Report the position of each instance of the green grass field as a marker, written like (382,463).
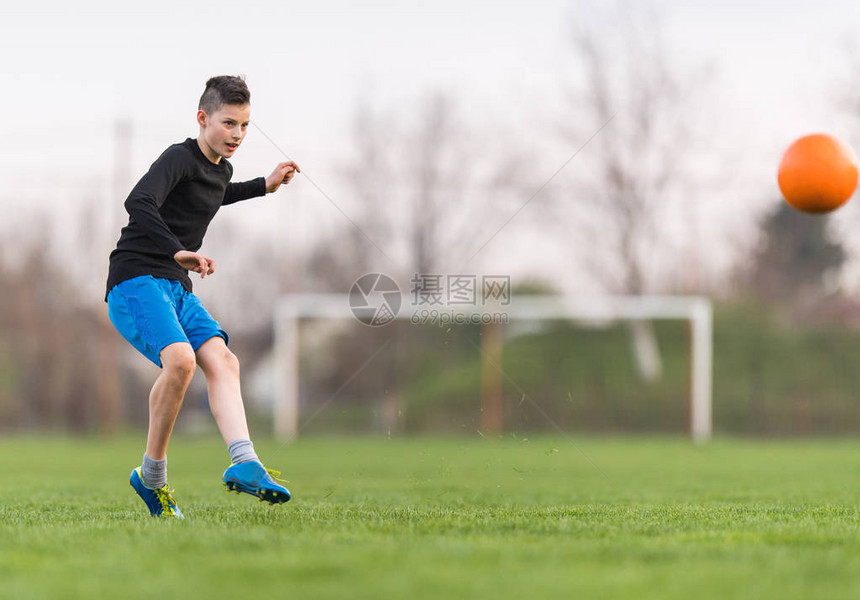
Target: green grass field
(430,518)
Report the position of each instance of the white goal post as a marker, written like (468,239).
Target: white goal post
(695,309)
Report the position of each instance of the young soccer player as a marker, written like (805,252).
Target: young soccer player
(149,291)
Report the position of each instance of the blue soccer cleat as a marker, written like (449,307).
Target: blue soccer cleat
(253,478)
(160,502)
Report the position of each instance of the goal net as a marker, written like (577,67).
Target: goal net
(298,318)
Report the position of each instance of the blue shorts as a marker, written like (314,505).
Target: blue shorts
(152,313)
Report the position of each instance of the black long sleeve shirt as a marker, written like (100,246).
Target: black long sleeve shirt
(170,209)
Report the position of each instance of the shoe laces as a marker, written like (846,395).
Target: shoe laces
(275,475)
(165,496)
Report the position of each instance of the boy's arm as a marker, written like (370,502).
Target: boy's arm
(244,190)
(261,186)
(147,197)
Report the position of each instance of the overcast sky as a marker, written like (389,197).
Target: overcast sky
(70,69)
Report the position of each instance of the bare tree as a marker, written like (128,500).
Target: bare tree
(631,92)
(415,183)
(369,178)
(48,373)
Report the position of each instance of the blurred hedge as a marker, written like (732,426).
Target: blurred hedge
(773,375)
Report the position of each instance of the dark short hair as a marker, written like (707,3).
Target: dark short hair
(224,89)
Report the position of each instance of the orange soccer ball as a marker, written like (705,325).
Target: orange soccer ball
(818,173)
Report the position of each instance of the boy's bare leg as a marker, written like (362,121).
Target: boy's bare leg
(221,368)
(246,474)
(178,365)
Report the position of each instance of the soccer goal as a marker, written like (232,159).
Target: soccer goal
(697,311)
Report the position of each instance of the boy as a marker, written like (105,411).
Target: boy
(149,291)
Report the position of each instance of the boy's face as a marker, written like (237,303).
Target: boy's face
(223,131)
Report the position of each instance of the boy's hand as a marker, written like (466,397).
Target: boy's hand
(194,261)
(282,174)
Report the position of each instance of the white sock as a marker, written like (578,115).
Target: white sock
(241,451)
